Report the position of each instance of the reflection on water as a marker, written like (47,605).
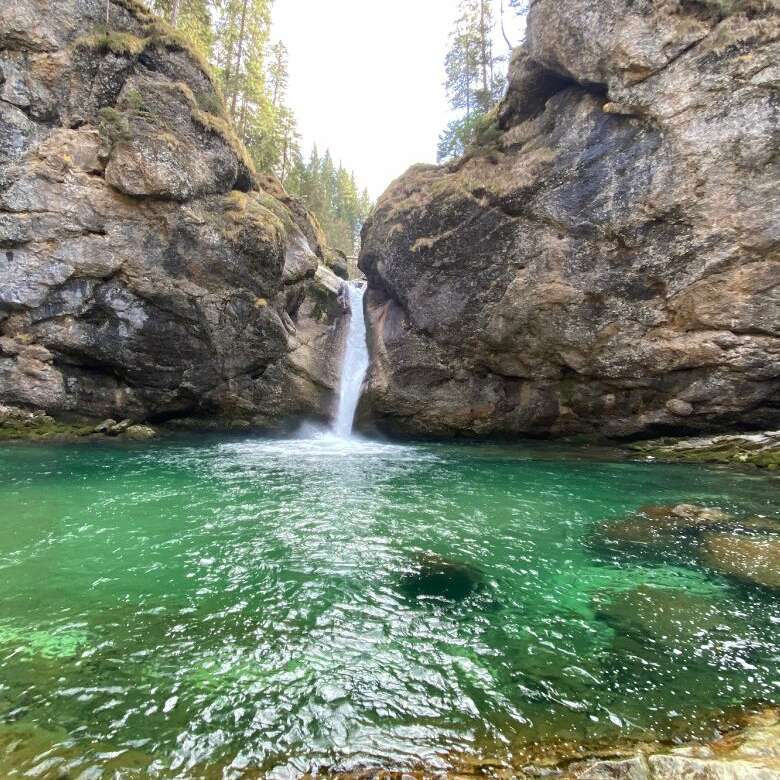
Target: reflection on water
(231,608)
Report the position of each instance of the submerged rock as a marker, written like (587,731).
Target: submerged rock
(145,270)
(661,527)
(751,559)
(435,577)
(668,618)
(604,259)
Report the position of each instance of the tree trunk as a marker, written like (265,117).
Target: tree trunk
(243,118)
(238,58)
(503,29)
(174,12)
(284,160)
(483,49)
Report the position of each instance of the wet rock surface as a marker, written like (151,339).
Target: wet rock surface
(661,526)
(20,424)
(145,271)
(744,549)
(605,260)
(671,619)
(748,751)
(755,449)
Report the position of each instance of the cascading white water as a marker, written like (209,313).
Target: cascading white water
(355,365)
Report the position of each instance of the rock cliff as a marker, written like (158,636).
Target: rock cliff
(605,258)
(145,270)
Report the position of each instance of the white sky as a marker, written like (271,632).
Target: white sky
(366,79)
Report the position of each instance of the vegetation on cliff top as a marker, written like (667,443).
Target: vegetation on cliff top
(230,41)
(474,74)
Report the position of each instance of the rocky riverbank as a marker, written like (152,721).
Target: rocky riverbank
(755,449)
(604,261)
(748,748)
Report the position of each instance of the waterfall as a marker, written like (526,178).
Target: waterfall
(355,365)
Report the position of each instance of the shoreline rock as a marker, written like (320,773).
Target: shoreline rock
(748,748)
(755,449)
(19,425)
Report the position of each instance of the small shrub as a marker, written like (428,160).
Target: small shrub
(114,125)
(211,103)
(134,101)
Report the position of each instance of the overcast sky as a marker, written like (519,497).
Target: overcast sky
(366,79)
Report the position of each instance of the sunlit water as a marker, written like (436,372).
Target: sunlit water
(246,608)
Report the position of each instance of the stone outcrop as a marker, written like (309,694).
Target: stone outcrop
(756,449)
(604,260)
(750,753)
(146,272)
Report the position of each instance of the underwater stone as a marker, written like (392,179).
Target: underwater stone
(659,526)
(437,577)
(666,616)
(751,559)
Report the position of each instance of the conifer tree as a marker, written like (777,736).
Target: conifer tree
(474,79)
(191,18)
(233,35)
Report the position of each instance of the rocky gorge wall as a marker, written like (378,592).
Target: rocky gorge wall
(145,270)
(605,259)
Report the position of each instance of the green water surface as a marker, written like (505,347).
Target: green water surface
(245,608)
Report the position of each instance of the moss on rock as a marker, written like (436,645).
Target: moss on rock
(41,428)
(758,449)
(222,128)
(119,43)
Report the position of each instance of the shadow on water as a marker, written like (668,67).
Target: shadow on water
(434,577)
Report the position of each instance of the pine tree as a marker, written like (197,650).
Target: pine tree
(474,83)
(233,35)
(191,18)
(277,73)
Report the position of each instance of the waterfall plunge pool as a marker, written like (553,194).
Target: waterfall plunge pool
(219,607)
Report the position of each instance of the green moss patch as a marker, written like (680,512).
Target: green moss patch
(757,450)
(42,428)
(119,43)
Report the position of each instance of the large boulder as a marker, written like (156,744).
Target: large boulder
(604,260)
(146,271)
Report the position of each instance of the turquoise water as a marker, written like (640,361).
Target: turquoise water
(245,608)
